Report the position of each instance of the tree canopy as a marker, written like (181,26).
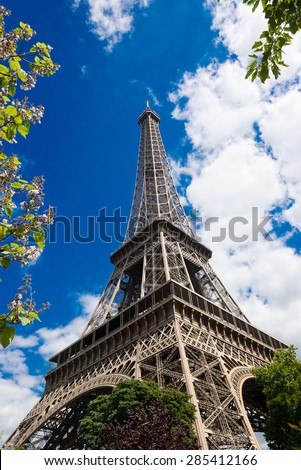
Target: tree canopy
(22,235)
(139,415)
(281,384)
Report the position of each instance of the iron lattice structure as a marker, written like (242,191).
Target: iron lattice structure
(164,315)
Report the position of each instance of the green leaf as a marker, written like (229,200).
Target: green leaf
(11,110)
(252,65)
(15,246)
(4,69)
(257,44)
(23,130)
(18,120)
(5,262)
(39,238)
(16,185)
(9,211)
(3,231)
(3,81)
(249,72)
(14,64)
(11,90)
(25,321)
(7,334)
(263,72)
(265,34)
(294,426)
(22,76)
(10,132)
(276,71)
(34,315)
(256,3)
(17,162)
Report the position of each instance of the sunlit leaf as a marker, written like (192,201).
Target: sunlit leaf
(7,334)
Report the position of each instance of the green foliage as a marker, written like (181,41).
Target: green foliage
(147,427)
(96,417)
(22,235)
(298,429)
(21,310)
(283,22)
(20,69)
(129,396)
(281,384)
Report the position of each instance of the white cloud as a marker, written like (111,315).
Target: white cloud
(17,400)
(238,28)
(18,386)
(280,127)
(24,341)
(246,146)
(230,19)
(88,302)
(13,363)
(56,339)
(84,71)
(221,105)
(112,19)
(226,185)
(154,100)
(262,278)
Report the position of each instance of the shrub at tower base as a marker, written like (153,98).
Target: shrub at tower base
(139,416)
(281,385)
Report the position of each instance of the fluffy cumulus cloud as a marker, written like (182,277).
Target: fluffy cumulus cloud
(246,145)
(21,400)
(229,19)
(22,386)
(220,104)
(56,339)
(112,19)
(17,383)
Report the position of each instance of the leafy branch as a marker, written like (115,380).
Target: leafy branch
(22,224)
(283,21)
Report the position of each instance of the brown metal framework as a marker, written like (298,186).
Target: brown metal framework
(164,315)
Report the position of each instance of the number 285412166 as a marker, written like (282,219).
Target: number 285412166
(221,459)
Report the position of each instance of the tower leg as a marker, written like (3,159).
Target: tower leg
(190,389)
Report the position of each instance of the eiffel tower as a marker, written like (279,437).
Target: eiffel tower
(164,315)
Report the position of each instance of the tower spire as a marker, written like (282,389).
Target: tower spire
(155,194)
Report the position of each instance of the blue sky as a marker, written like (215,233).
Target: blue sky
(233,145)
